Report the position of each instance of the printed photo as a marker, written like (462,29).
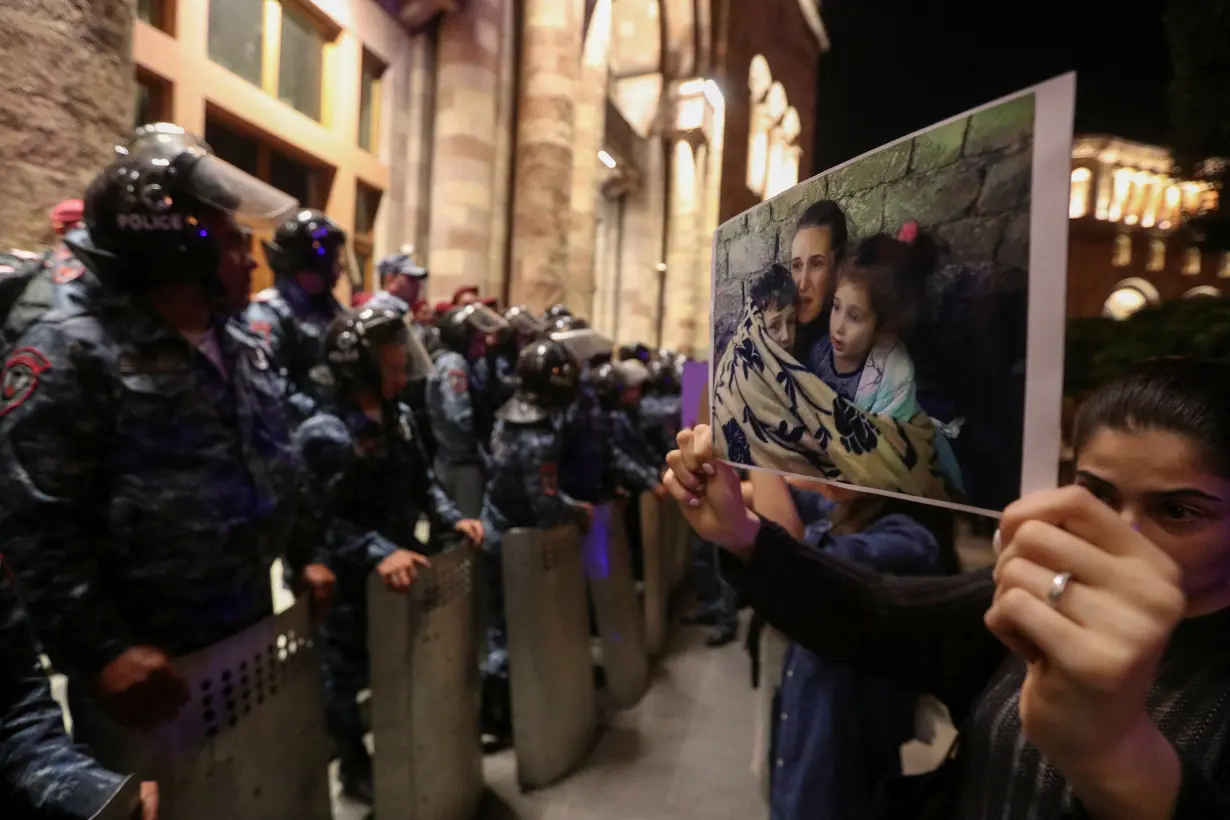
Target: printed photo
(896,323)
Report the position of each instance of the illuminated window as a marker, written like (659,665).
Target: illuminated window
(1123,251)
(369,102)
(1224,270)
(1170,207)
(772,154)
(1157,255)
(1078,201)
(1123,179)
(1203,290)
(301,62)
(1129,296)
(1191,262)
(236,36)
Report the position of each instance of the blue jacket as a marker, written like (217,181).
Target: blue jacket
(636,466)
(524,487)
(42,774)
(451,410)
(839,731)
(294,326)
(146,491)
(587,464)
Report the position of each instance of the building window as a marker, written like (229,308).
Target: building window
(1157,255)
(1224,271)
(1129,296)
(1191,262)
(1078,199)
(152,101)
(157,13)
(1123,251)
(367,205)
(369,103)
(772,155)
(1203,290)
(301,62)
(236,37)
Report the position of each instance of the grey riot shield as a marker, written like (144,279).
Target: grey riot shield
(125,803)
(428,763)
(250,744)
(656,589)
(554,705)
(620,622)
(675,537)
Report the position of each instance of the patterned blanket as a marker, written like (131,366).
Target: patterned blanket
(770,411)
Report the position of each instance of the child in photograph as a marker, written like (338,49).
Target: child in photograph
(817,247)
(775,295)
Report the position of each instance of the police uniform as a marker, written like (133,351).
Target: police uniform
(373,482)
(147,487)
(587,457)
(61,282)
(42,774)
(294,325)
(459,457)
(387,301)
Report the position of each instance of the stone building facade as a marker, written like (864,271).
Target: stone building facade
(576,151)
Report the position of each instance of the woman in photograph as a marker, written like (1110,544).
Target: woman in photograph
(818,245)
(1087,671)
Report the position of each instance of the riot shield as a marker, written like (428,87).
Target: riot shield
(620,622)
(124,804)
(675,535)
(554,705)
(428,761)
(250,744)
(656,587)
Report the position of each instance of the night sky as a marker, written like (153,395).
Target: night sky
(899,65)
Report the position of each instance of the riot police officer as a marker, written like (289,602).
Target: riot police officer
(149,482)
(307,256)
(401,281)
(660,409)
(42,774)
(460,449)
(637,468)
(587,463)
(524,492)
(372,481)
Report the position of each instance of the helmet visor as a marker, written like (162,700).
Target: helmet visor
(484,319)
(583,345)
(254,204)
(418,360)
(525,322)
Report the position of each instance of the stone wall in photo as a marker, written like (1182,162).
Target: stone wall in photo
(967,183)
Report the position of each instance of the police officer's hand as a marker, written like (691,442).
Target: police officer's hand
(587,515)
(319,580)
(401,569)
(140,688)
(472,529)
(148,808)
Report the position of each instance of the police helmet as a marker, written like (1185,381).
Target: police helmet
(308,241)
(555,311)
(165,206)
(635,350)
(549,377)
(663,378)
(524,322)
(352,342)
(459,326)
(607,384)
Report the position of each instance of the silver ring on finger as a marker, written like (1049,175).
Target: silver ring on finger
(1058,587)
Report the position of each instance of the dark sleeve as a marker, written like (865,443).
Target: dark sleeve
(52,442)
(325,446)
(42,774)
(442,512)
(895,546)
(1199,797)
(278,332)
(540,479)
(925,634)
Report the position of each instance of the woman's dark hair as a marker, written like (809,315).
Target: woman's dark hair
(858,513)
(1188,397)
(773,288)
(827,214)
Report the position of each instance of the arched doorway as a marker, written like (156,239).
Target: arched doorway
(1129,296)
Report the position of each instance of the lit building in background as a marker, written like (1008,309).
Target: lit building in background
(1126,246)
(577,151)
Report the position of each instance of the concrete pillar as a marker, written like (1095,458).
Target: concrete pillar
(66,99)
(542,206)
(464,151)
(682,256)
(589,136)
(640,279)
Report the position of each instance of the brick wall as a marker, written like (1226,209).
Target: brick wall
(967,183)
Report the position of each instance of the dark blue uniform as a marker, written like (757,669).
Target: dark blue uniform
(147,488)
(42,775)
(635,463)
(294,327)
(372,483)
(524,491)
(587,454)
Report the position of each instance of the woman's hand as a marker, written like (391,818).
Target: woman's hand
(1093,649)
(709,492)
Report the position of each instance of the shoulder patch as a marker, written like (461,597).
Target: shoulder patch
(22,370)
(66,273)
(264,329)
(458,381)
(549,476)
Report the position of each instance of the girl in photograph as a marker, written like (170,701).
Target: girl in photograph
(1087,671)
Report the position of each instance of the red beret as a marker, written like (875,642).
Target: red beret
(360,299)
(443,307)
(461,291)
(68,212)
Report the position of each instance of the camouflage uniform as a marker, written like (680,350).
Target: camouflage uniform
(460,459)
(146,493)
(372,483)
(659,418)
(587,457)
(63,282)
(294,326)
(493,385)
(42,775)
(634,460)
(524,492)
(386,301)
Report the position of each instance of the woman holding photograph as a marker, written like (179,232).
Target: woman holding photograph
(1088,671)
